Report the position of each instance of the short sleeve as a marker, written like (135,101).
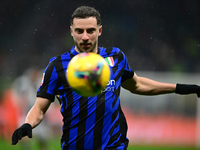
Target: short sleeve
(127,71)
(48,86)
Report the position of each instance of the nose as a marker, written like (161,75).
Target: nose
(85,36)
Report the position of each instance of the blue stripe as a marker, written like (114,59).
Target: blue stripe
(53,79)
(72,137)
(90,122)
(73,132)
(107,124)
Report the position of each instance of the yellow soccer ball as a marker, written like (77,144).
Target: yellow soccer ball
(88,74)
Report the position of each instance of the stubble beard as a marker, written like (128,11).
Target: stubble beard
(91,49)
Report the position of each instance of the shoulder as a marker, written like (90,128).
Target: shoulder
(60,58)
(111,51)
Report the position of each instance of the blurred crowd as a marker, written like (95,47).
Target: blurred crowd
(155,35)
(15,104)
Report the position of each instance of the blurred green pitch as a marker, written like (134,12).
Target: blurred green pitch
(54,144)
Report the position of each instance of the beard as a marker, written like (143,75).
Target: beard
(87,50)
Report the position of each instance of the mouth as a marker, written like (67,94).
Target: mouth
(85,45)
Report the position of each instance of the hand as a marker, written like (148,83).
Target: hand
(24,130)
(187,89)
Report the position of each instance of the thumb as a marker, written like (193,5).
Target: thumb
(15,138)
(198,94)
(29,133)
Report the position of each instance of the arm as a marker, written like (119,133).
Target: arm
(33,118)
(36,113)
(145,86)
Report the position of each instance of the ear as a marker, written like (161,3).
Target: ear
(71,30)
(100,30)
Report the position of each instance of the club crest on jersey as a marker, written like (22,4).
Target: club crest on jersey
(110,61)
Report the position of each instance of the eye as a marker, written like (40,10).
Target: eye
(79,31)
(91,30)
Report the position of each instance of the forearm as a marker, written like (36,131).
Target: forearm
(37,112)
(34,117)
(145,86)
(150,87)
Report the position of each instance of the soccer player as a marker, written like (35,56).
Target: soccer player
(94,122)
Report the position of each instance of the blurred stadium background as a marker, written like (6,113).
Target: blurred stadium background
(160,38)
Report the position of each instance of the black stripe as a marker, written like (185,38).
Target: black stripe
(112,139)
(46,81)
(65,137)
(97,139)
(67,113)
(116,135)
(123,130)
(83,105)
(115,114)
(109,50)
(117,94)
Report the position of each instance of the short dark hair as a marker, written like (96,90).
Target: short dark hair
(86,12)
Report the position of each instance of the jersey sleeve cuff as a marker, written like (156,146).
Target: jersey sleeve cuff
(46,95)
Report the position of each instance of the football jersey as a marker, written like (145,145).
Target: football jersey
(94,123)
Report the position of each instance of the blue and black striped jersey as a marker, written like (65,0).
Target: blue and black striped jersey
(94,123)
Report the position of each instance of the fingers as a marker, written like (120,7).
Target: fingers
(198,94)
(29,133)
(20,134)
(15,138)
(24,130)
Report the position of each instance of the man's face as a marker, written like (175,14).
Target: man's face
(85,33)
